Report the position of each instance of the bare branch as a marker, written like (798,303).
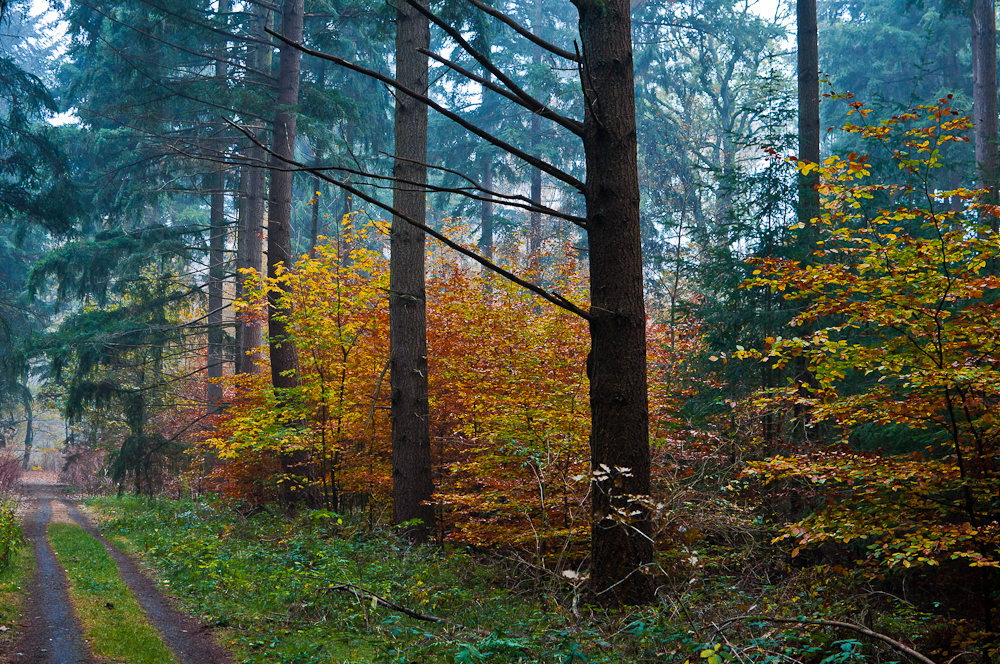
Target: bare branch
(554,298)
(526,100)
(531,160)
(363,594)
(571,124)
(524,32)
(906,650)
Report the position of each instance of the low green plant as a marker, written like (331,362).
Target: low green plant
(13,582)
(11,536)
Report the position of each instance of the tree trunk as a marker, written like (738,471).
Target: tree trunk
(29,431)
(535,224)
(314,226)
(808,75)
(216,251)
(412,483)
(284,358)
(216,275)
(251,231)
(487,212)
(621,527)
(317,162)
(984,97)
(239,327)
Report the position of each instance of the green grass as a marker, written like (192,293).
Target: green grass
(115,625)
(13,581)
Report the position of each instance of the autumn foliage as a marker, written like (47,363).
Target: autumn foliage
(508,389)
(900,297)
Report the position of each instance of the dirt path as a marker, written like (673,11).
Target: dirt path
(184,635)
(50,632)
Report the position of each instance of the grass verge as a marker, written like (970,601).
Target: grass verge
(115,625)
(14,580)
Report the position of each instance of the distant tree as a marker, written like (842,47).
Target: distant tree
(984,96)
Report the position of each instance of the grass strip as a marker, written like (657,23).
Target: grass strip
(115,625)
(14,580)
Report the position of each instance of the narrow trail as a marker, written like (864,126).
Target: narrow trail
(50,631)
(184,635)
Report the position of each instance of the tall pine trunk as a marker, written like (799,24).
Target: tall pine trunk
(217,251)
(535,224)
(412,483)
(621,527)
(808,76)
(984,96)
(284,357)
(216,275)
(251,230)
(486,211)
(807,36)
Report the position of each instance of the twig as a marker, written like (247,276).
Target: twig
(361,593)
(901,647)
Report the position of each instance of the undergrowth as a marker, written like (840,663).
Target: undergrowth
(306,590)
(13,581)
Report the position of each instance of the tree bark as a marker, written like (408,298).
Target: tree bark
(487,212)
(314,226)
(216,275)
(984,97)
(251,231)
(29,432)
(216,253)
(412,483)
(535,222)
(239,327)
(621,527)
(284,357)
(807,36)
(808,76)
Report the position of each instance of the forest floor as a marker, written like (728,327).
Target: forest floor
(52,630)
(322,588)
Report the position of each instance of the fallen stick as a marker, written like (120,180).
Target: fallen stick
(361,593)
(901,647)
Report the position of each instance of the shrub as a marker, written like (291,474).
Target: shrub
(10,525)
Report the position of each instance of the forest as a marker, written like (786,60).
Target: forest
(480,331)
